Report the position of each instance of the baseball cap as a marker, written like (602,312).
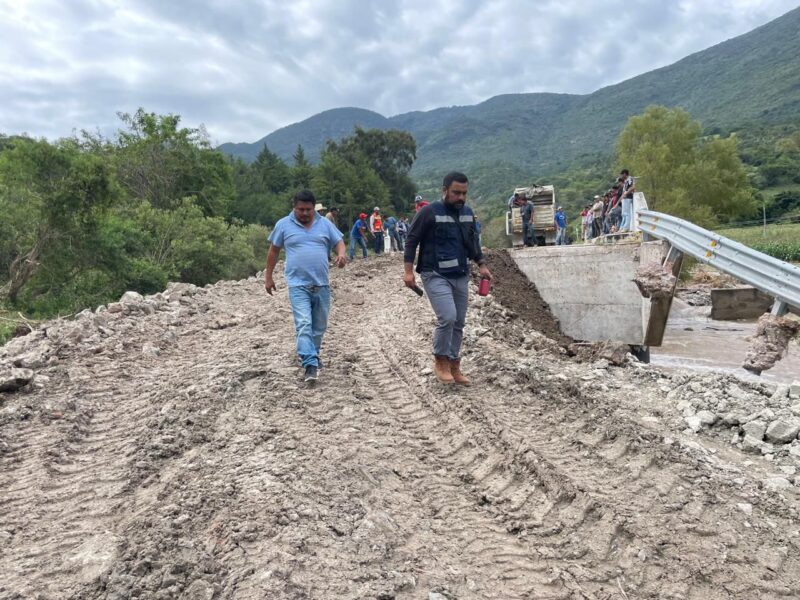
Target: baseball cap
(362,216)
(376,208)
(318,206)
(417,198)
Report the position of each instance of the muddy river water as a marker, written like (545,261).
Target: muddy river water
(694,341)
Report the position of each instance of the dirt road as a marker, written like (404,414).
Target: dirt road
(169,450)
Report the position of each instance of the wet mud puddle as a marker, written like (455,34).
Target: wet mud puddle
(695,341)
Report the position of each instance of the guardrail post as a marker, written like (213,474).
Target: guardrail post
(660,307)
(779,308)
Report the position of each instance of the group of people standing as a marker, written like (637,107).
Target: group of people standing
(612,212)
(442,239)
(377,227)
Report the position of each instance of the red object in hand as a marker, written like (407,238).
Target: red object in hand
(483,288)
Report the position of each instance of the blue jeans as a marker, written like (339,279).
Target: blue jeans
(561,236)
(378,242)
(360,241)
(310,308)
(627,214)
(528,236)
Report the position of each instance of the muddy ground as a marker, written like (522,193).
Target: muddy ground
(166,448)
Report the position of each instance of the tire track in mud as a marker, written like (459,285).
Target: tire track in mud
(212,472)
(542,529)
(502,566)
(71,480)
(469,479)
(627,510)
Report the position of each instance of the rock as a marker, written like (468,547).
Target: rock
(199,590)
(697,387)
(782,431)
(131,298)
(152,350)
(767,414)
(175,291)
(770,342)
(781,393)
(745,507)
(776,483)
(755,429)
(115,307)
(436,596)
(772,558)
(795,409)
(694,423)
(732,418)
(15,379)
(654,281)
(613,352)
(707,418)
(752,444)
(794,390)
(35,358)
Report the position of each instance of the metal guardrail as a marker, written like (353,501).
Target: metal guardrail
(777,278)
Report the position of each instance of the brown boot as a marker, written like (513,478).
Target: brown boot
(455,371)
(441,368)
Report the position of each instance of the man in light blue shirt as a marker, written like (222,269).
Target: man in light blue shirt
(307,239)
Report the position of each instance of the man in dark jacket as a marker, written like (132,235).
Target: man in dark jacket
(447,239)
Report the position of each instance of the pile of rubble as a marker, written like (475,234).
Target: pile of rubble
(25,360)
(758,418)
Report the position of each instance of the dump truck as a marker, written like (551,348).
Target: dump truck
(544,212)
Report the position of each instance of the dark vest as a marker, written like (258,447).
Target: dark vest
(455,239)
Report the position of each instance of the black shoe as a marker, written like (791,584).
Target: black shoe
(311,374)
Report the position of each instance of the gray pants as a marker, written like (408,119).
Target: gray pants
(449,299)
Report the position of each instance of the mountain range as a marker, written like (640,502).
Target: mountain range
(751,79)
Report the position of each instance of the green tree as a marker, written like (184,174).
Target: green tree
(51,198)
(162,163)
(262,189)
(354,187)
(390,154)
(302,171)
(702,180)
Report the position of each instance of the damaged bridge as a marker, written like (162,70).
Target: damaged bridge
(623,291)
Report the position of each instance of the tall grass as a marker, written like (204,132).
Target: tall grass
(781,240)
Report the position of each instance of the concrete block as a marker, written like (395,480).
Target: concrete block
(590,288)
(738,303)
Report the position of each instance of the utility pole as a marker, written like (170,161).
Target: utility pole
(764,212)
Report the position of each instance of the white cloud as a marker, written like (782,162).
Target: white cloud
(245,68)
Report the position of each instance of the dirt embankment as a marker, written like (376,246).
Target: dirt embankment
(516,292)
(166,448)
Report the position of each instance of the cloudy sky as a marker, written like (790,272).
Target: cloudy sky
(246,67)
